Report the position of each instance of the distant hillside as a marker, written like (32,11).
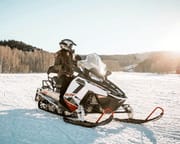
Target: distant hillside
(160,62)
(154,62)
(19,57)
(121,62)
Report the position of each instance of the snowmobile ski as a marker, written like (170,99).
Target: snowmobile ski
(141,121)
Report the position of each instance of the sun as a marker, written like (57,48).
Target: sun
(171,39)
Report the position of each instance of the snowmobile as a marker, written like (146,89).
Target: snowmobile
(91,98)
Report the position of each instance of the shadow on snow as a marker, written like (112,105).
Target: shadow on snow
(29,126)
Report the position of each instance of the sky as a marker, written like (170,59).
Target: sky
(96,26)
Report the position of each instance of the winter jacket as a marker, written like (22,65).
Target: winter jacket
(64,62)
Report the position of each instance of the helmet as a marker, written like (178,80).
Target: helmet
(67,44)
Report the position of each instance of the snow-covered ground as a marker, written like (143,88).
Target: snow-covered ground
(21,122)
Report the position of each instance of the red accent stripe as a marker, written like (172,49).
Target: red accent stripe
(71,106)
(105,111)
(44,92)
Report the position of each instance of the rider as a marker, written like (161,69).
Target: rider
(64,61)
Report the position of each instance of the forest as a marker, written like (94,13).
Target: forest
(18,57)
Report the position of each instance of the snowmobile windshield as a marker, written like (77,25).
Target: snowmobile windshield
(94,64)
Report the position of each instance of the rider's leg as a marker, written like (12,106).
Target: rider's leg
(65,83)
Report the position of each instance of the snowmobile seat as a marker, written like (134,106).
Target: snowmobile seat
(51,94)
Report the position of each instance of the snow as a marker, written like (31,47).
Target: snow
(21,122)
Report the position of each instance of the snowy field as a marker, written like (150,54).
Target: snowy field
(21,122)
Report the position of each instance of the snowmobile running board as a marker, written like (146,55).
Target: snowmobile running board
(92,124)
(87,123)
(141,121)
